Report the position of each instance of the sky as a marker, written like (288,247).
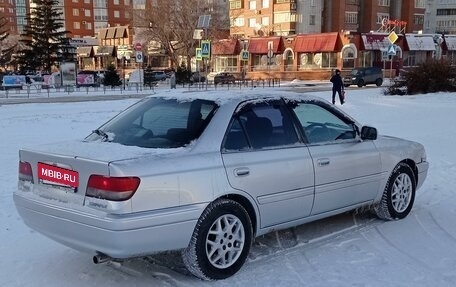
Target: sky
(351,249)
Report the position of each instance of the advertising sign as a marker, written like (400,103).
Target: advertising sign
(13,81)
(85,79)
(68,73)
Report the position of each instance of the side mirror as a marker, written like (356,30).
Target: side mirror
(368,133)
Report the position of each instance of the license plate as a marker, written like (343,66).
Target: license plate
(57,175)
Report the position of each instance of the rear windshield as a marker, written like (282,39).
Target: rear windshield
(158,123)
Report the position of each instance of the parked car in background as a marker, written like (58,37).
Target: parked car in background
(364,76)
(208,173)
(197,77)
(224,78)
(159,75)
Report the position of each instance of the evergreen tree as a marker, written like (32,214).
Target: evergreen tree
(5,49)
(111,78)
(44,37)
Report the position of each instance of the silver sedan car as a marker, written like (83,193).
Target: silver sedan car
(207,175)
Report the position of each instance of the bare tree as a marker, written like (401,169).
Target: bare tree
(171,23)
(6,42)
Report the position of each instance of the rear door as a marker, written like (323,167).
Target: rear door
(347,170)
(264,157)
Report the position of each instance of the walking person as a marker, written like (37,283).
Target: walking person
(338,86)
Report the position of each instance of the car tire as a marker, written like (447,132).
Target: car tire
(379,82)
(399,194)
(215,252)
(360,83)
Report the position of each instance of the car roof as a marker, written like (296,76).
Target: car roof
(223,97)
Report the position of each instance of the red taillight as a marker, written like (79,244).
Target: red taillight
(25,171)
(112,188)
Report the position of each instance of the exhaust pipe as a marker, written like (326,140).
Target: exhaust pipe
(101,258)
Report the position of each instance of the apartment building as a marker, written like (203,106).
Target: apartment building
(440,17)
(15,12)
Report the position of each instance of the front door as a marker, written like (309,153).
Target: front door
(347,169)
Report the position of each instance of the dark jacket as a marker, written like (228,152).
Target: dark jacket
(337,81)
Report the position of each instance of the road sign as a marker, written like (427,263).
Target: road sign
(391,50)
(198,54)
(138,47)
(139,57)
(205,49)
(392,37)
(244,55)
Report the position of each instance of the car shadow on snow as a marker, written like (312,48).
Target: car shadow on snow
(162,265)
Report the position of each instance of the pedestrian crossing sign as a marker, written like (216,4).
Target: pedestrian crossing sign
(206,49)
(198,54)
(244,55)
(391,50)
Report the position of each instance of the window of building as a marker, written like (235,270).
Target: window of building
(116,14)
(235,4)
(75,12)
(265,21)
(87,1)
(381,16)
(446,12)
(127,2)
(89,26)
(418,19)
(237,22)
(252,22)
(419,3)
(252,5)
(116,2)
(76,25)
(87,13)
(265,4)
(384,3)
(312,3)
(284,17)
(351,17)
(75,1)
(312,20)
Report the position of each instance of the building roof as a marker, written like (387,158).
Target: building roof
(260,45)
(121,32)
(450,42)
(226,47)
(84,51)
(325,42)
(375,41)
(420,42)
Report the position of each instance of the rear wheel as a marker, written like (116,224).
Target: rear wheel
(360,83)
(399,194)
(220,242)
(379,82)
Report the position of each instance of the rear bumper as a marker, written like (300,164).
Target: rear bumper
(118,236)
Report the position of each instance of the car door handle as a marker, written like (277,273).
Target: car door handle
(323,161)
(242,171)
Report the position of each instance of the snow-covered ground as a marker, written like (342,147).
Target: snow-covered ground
(352,249)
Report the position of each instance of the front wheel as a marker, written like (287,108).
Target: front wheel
(220,242)
(399,194)
(378,82)
(360,83)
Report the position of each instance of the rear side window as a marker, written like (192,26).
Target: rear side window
(261,126)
